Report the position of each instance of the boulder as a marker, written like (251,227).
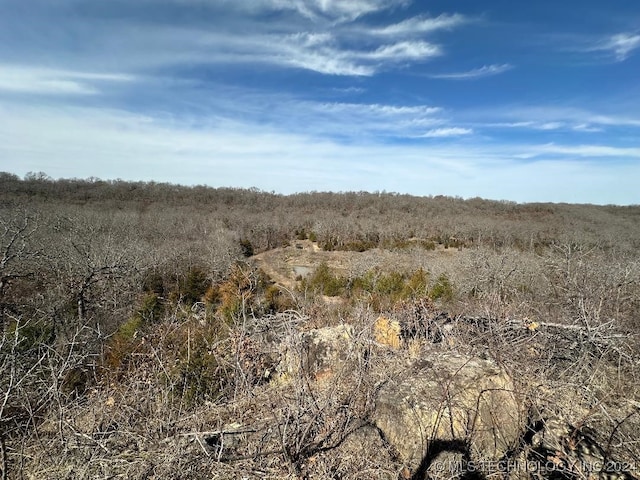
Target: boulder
(325,350)
(319,353)
(449,403)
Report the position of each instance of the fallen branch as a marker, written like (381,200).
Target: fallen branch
(3,458)
(218,432)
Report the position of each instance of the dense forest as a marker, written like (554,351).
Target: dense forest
(133,314)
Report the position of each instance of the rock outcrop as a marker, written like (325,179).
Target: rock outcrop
(450,403)
(325,350)
(319,353)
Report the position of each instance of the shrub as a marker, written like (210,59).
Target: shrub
(417,285)
(357,246)
(442,289)
(276,301)
(151,308)
(404,244)
(212,297)
(364,283)
(124,342)
(238,293)
(325,282)
(127,338)
(428,244)
(391,285)
(29,335)
(199,357)
(153,283)
(329,245)
(246,247)
(194,286)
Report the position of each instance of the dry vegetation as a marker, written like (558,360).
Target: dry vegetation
(156,331)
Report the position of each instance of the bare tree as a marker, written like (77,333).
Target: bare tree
(17,252)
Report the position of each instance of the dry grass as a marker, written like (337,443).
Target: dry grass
(197,392)
(295,427)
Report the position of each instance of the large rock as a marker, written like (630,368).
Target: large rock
(319,353)
(326,350)
(450,403)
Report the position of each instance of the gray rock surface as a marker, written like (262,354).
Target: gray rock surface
(320,353)
(450,400)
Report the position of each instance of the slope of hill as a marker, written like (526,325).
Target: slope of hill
(153,330)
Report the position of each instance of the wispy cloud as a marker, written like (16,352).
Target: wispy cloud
(349,90)
(328,51)
(344,121)
(378,109)
(329,59)
(247,89)
(550,118)
(620,45)
(447,132)
(421,25)
(403,51)
(320,52)
(54,82)
(591,151)
(549,126)
(330,37)
(122,145)
(335,10)
(484,71)
(585,127)
(357,122)
(316,52)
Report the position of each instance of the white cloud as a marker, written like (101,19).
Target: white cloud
(321,53)
(357,121)
(510,124)
(377,109)
(585,127)
(328,64)
(448,132)
(620,45)
(591,151)
(122,145)
(324,36)
(44,81)
(549,126)
(332,10)
(402,51)
(335,11)
(339,10)
(349,90)
(421,25)
(484,71)
(317,53)
(551,117)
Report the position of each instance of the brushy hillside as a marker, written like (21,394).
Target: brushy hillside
(143,324)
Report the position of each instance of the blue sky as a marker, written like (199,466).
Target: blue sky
(502,99)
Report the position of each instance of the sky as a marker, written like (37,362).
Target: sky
(535,101)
